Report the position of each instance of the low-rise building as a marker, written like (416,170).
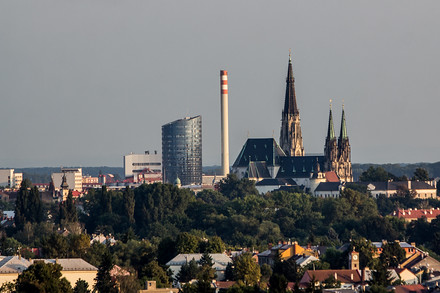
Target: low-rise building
(410,215)
(220,261)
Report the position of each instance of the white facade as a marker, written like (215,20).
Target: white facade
(73,177)
(8,179)
(136,163)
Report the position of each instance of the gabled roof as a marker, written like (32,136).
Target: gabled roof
(299,167)
(331,176)
(13,265)
(277,182)
(72,264)
(328,186)
(259,149)
(344,276)
(417,213)
(410,289)
(218,259)
(258,170)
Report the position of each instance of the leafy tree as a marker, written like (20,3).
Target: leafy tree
(366,251)
(246,269)
(377,174)
(421,174)
(392,254)
(104,282)
(128,284)
(277,284)
(232,187)
(153,271)
(188,271)
(206,274)
(215,245)
(331,282)
(78,245)
(28,206)
(41,277)
(129,204)
(266,273)
(68,212)
(187,243)
(55,245)
(81,286)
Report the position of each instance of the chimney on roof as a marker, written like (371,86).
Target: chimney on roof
(351,277)
(336,276)
(409,184)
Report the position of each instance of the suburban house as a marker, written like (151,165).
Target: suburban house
(419,189)
(73,269)
(410,215)
(285,251)
(348,278)
(220,260)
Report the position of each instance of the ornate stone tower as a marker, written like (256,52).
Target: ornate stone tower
(344,170)
(331,145)
(290,138)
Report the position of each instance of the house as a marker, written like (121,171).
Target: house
(285,251)
(329,189)
(410,249)
(348,278)
(410,289)
(220,261)
(404,275)
(410,215)
(73,269)
(419,189)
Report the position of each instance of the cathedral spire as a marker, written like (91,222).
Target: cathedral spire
(290,106)
(331,129)
(290,137)
(343,134)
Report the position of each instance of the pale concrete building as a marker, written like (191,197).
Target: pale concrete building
(140,164)
(10,179)
(73,178)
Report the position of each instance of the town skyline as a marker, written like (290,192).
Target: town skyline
(101,82)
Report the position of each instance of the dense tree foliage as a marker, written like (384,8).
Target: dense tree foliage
(42,277)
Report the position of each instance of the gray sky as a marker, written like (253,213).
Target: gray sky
(84,82)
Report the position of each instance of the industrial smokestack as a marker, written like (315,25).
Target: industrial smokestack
(225,122)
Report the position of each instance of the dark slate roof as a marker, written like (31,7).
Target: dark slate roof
(259,149)
(299,167)
(258,170)
(276,182)
(328,186)
(395,185)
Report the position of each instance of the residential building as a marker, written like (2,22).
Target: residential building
(285,251)
(73,178)
(348,278)
(417,189)
(182,151)
(147,163)
(410,215)
(73,269)
(220,261)
(10,179)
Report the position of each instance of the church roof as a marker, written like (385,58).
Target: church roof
(276,182)
(258,170)
(328,186)
(259,149)
(299,167)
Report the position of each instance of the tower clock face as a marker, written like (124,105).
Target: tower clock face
(355,257)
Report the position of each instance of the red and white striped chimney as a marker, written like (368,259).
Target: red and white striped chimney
(224,121)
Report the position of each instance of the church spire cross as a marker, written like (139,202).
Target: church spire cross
(343,134)
(290,106)
(331,128)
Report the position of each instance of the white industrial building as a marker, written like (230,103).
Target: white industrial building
(10,179)
(73,178)
(136,164)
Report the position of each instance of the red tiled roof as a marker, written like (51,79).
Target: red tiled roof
(410,288)
(411,214)
(225,284)
(331,176)
(344,276)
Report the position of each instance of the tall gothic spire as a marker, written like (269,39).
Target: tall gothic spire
(343,134)
(290,137)
(290,106)
(331,128)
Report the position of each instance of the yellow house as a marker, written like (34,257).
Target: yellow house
(73,269)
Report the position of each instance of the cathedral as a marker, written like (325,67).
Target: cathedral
(265,159)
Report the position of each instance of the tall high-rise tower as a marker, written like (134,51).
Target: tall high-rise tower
(290,138)
(182,151)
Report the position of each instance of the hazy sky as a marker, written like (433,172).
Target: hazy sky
(84,82)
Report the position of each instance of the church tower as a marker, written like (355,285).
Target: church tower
(331,145)
(344,170)
(290,138)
